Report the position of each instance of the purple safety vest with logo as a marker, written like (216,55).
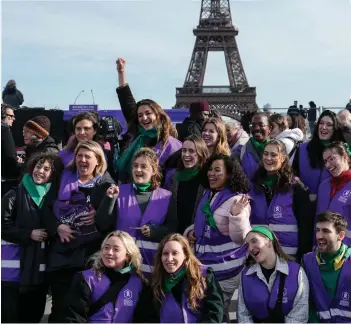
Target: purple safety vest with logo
(172,145)
(257,297)
(173,312)
(123,309)
(340,203)
(338,309)
(311,177)
(130,216)
(214,249)
(279,216)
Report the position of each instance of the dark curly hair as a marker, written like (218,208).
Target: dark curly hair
(54,161)
(285,173)
(315,148)
(238,181)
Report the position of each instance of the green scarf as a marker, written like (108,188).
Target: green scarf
(270,180)
(325,143)
(330,261)
(125,161)
(172,280)
(36,191)
(142,186)
(258,146)
(206,209)
(187,174)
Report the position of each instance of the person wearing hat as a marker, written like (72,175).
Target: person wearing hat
(199,112)
(36,137)
(273,288)
(11,95)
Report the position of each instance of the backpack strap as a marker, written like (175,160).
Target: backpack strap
(242,152)
(296,145)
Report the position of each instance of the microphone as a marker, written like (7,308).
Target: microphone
(78,96)
(92,94)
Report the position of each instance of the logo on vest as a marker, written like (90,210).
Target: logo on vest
(344,196)
(128,298)
(345,297)
(207,231)
(277,211)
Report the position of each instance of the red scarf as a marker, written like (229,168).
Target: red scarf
(338,182)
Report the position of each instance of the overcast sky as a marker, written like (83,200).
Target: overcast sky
(291,49)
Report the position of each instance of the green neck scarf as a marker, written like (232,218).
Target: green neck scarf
(329,260)
(125,161)
(142,186)
(173,279)
(187,174)
(325,143)
(36,191)
(259,146)
(270,180)
(206,209)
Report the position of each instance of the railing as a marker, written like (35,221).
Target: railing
(212,89)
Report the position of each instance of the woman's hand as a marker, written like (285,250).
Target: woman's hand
(239,205)
(65,233)
(39,235)
(113,191)
(145,230)
(90,217)
(120,65)
(191,237)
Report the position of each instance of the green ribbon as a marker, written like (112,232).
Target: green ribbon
(263,230)
(125,161)
(330,258)
(172,280)
(325,143)
(270,180)
(206,209)
(259,146)
(36,191)
(143,186)
(187,174)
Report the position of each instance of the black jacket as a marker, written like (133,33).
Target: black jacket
(12,97)
(61,255)
(79,299)
(188,127)
(19,217)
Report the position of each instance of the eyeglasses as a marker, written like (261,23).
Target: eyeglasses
(10,116)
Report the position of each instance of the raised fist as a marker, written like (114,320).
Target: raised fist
(120,64)
(113,191)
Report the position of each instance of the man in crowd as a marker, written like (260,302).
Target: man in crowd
(11,95)
(10,168)
(199,112)
(328,270)
(344,121)
(312,116)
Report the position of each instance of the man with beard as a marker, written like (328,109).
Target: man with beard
(199,112)
(328,270)
(250,154)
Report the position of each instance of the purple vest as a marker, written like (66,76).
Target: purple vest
(172,145)
(279,216)
(340,204)
(257,297)
(172,312)
(309,176)
(214,249)
(127,299)
(329,310)
(130,216)
(66,156)
(250,164)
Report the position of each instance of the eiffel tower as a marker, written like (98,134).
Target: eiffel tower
(216,32)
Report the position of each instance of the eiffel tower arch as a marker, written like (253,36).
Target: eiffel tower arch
(216,32)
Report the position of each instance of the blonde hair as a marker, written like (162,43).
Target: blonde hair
(222,146)
(193,272)
(133,253)
(99,154)
(152,158)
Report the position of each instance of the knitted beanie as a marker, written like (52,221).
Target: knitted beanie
(39,126)
(199,106)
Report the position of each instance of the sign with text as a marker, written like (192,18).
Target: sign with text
(83,108)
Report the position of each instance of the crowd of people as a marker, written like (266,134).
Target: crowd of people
(167,231)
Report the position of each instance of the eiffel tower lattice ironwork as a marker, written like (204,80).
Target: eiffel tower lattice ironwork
(216,32)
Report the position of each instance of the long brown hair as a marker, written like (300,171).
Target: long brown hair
(222,145)
(200,148)
(193,272)
(285,173)
(165,126)
(276,247)
(152,158)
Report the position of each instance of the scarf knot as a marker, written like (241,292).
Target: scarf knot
(206,209)
(36,191)
(259,146)
(173,279)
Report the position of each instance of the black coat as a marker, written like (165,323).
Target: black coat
(12,97)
